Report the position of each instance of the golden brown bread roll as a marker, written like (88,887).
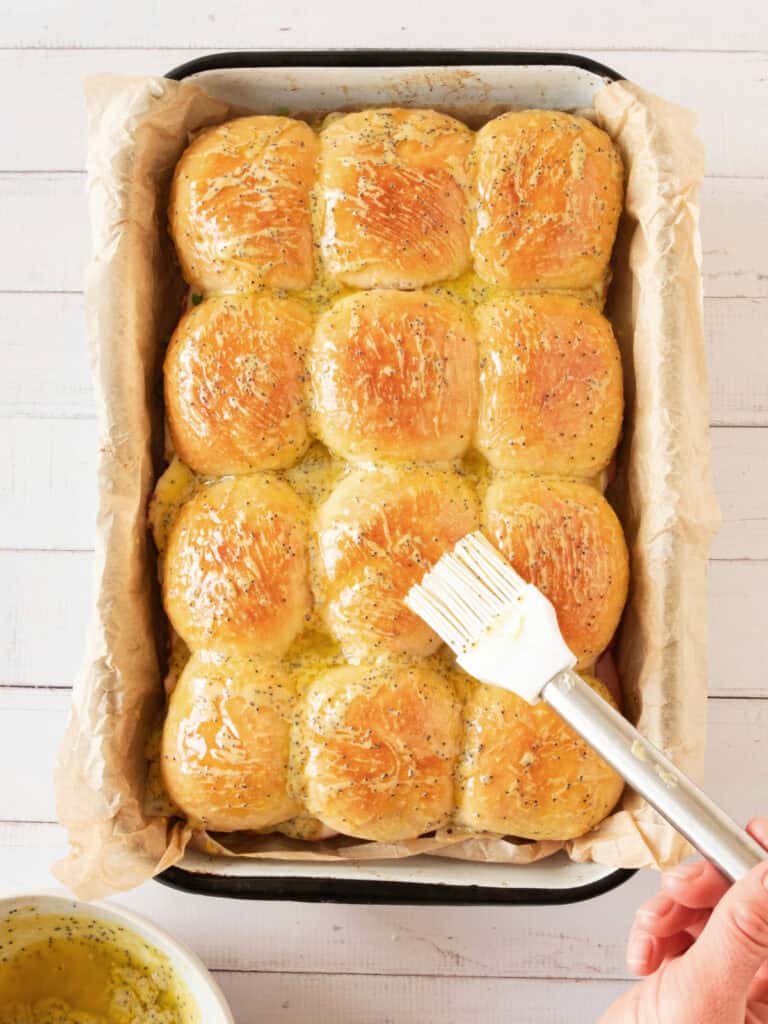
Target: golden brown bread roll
(376,747)
(378,533)
(393,188)
(551,392)
(239,210)
(234,392)
(549,193)
(394,376)
(226,743)
(524,772)
(236,569)
(564,537)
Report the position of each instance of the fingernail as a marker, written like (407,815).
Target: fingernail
(639,951)
(662,906)
(685,872)
(758,828)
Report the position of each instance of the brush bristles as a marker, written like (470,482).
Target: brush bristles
(465,591)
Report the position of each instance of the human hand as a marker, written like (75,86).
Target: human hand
(702,946)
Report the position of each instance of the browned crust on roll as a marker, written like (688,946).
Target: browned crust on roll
(549,192)
(239,210)
(378,533)
(394,377)
(564,537)
(226,743)
(236,573)
(393,188)
(234,384)
(551,389)
(524,772)
(376,748)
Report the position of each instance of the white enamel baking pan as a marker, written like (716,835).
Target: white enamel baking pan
(472,85)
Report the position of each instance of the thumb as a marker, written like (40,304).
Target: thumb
(734,944)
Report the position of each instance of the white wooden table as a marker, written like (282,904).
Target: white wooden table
(290,962)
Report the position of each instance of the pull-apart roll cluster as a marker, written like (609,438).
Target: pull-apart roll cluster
(394,337)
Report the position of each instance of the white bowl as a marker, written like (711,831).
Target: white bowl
(206,994)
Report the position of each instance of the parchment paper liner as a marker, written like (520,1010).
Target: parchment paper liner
(137,129)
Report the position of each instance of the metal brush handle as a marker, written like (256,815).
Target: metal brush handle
(650,773)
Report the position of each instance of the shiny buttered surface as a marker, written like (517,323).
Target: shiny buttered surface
(563,536)
(394,189)
(234,384)
(331,443)
(394,377)
(225,743)
(524,772)
(240,212)
(551,394)
(377,534)
(549,192)
(376,749)
(237,567)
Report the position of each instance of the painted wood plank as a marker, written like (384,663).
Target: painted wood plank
(51,464)
(444,942)
(31,725)
(46,372)
(654,25)
(734,225)
(715,85)
(308,998)
(738,628)
(740,471)
(48,495)
(734,217)
(45,602)
(47,217)
(44,355)
(44,606)
(737,341)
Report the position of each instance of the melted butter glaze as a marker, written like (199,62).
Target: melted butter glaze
(524,772)
(563,536)
(551,392)
(225,742)
(236,567)
(75,969)
(376,748)
(239,211)
(393,377)
(234,384)
(549,193)
(394,187)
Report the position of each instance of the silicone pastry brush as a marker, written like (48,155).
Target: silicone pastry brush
(504,632)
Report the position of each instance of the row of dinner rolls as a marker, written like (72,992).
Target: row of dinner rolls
(376,751)
(237,567)
(395,198)
(533,382)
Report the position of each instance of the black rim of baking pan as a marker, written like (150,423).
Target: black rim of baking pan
(383,59)
(363,891)
(374,891)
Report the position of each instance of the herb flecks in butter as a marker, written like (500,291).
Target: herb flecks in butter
(74,969)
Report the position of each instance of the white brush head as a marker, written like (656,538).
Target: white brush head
(503,630)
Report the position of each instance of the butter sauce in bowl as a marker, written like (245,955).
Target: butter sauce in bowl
(66,962)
